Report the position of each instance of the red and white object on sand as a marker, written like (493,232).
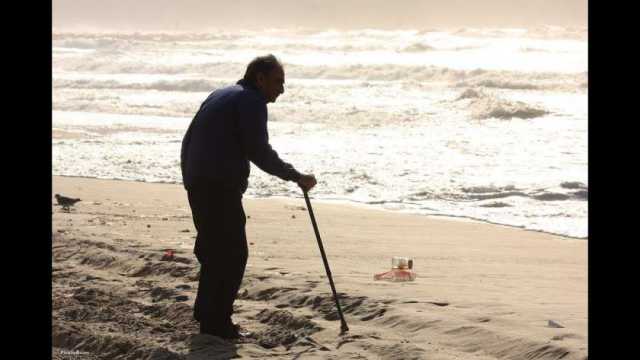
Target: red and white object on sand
(401,270)
(168,255)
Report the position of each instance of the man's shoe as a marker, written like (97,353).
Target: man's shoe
(244,333)
(209,330)
(236,333)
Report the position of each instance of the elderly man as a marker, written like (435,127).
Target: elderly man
(228,131)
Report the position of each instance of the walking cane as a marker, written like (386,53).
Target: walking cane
(343,327)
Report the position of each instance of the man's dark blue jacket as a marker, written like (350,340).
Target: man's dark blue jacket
(228,131)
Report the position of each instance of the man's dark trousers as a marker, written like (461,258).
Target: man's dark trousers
(221,249)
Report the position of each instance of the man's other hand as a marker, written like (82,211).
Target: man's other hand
(307,182)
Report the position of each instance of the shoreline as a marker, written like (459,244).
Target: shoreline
(482,291)
(356,204)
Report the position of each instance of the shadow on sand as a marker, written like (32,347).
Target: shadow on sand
(202,346)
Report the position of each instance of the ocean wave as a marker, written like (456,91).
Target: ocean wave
(421,46)
(487,189)
(226,35)
(531,49)
(422,195)
(525,81)
(485,105)
(185,85)
(539,32)
(501,84)
(555,196)
(470,94)
(461,78)
(497,195)
(172,109)
(91,39)
(94,44)
(487,193)
(496,204)
(377,72)
(573,185)
(580,195)
(113,65)
(327,42)
(488,107)
(417,47)
(551,196)
(482,193)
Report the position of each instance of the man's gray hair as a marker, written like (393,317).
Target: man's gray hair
(261,64)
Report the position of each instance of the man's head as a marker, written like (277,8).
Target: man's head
(267,74)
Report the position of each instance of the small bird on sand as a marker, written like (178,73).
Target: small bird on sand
(66,201)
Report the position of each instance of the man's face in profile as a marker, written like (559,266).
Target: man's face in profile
(271,85)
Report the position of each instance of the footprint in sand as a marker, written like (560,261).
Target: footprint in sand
(438,303)
(374,314)
(207,345)
(159,294)
(566,336)
(285,329)
(312,283)
(351,338)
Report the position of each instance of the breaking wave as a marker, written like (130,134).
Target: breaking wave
(470,94)
(413,74)
(185,85)
(525,81)
(573,185)
(481,193)
(485,106)
(418,47)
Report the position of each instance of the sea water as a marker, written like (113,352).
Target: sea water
(488,124)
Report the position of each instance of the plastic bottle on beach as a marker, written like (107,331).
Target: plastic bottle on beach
(401,270)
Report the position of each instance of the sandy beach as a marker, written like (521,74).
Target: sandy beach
(482,291)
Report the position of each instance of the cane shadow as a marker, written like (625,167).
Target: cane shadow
(202,346)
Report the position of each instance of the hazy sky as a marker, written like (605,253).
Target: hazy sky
(388,14)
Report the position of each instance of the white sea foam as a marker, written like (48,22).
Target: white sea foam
(410,74)
(418,47)
(195,85)
(470,94)
(484,108)
(484,105)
